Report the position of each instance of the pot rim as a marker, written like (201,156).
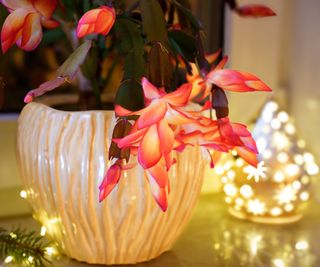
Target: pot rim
(49,101)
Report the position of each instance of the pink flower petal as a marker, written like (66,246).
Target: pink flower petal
(149,152)
(213,57)
(240,129)
(31,32)
(248,156)
(179,97)
(123,112)
(236,81)
(166,137)
(15,4)
(110,180)
(222,63)
(150,91)
(158,193)
(12,28)
(131,139)
(99,21)
(158,174)
(152,114)
(177,117)
(49,23)
(45,7)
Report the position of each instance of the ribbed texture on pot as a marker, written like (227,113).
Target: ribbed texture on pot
(63,158)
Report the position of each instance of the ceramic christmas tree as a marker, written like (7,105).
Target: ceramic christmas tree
(276,190)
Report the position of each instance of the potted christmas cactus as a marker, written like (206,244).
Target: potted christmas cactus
(92,174)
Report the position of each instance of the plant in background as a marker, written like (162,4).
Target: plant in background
(159,46)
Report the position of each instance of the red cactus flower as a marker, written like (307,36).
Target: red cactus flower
(99,21)
(24,24)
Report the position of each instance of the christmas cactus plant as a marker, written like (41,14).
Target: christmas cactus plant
(159,45)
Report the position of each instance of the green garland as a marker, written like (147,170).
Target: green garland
(23,247)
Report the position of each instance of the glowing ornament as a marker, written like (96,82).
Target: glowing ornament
(276,190)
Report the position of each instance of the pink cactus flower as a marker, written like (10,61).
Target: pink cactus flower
(24,24)
(99,21)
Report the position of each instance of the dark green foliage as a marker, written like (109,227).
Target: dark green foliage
(22,244)
(184,44)
(154,23)
(130,95)
(159,67)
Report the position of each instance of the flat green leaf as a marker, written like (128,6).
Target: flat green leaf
(159,67)
(186,12)
(154,23)
(130,95)
(132,44)
(186,43)
(70,67)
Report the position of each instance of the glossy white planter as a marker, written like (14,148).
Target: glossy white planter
(63,157)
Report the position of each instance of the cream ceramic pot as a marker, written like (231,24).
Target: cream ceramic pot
(63,158)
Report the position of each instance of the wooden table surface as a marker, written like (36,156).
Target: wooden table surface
(215,239)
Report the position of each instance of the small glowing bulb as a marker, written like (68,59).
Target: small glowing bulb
(289,207)
(219,170)
(30,259)
(239,201)
(312,169)
(302,245)
(283,116)
(279,263)
(286,195)
(290,129)
(227,165)
(246,191)
(23,194)
(230,190)
(228,200)
(296,185)
(308,157)
(301,143)
(278,177)
(256,207)
(298,159)
(234,153)
(305,180)
(224,179)
(292,170)
(304,196)
(43,231)
(8,259)
(267,154)
(239,162)
(231,174)
(282,157)
(13,235)
(276,211)
(272,106)
(280,141)
(51,251)
(275,124)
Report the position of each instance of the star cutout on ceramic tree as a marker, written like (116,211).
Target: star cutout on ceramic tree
(256,173)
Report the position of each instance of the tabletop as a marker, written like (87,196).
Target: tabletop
(215,239)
